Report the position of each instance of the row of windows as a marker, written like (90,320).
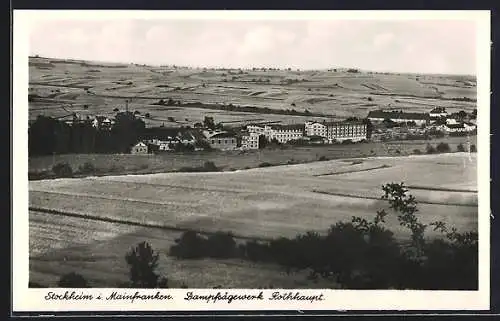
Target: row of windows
(222,141)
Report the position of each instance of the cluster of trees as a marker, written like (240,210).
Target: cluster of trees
(360,254)
(206,167)
(48,135)
(440,148)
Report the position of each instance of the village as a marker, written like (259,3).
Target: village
(379,125)
(134,137)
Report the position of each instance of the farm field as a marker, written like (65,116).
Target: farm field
(256,203)
(66,86)
(231,160)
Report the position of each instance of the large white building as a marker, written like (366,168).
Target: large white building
(337,131)
(378,116)
(282,133)
(315,128)
(249,140)
(346,130)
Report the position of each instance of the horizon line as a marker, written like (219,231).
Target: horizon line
(250,68)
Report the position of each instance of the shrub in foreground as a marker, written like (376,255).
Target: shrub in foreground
(62,170)
(429,149)
(143,261)
(87,168)
(265,164)
(207,167)
(443,148)
(192,245)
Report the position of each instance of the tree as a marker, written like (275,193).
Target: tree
(87,168)
(461,115)
(126,131)
(62,170)
(443,148)
(460,148)
(429,149)
(473,149)
(208,122)
(143,261)
(263,142)
(369,127)
(72,280)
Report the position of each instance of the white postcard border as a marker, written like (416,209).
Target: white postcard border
(25,299)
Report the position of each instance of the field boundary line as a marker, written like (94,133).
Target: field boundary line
(124,199)
(140,224)
(380,199)
(354,171)
(442,189)
(236,191)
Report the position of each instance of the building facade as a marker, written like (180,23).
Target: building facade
(249,140)
(139,148)
(378,116)
(346,130)
(313,128)
(222,141)
(286,133)
(282,133)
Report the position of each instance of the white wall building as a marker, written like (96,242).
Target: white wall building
(282,133)
(249,140)
(346,130)
(438,112)
(314,128)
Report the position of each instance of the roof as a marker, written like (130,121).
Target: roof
(160,132)
(397,115)
(140,144)
(284,127)
(223,135)
(455,126)
(438,110)
(344,122)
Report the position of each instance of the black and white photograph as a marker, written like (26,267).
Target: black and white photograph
(278,152)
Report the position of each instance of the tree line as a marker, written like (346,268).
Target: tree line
(49,135)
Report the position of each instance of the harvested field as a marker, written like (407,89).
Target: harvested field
(261,203)
(265,89)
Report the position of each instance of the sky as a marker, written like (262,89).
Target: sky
(417,46)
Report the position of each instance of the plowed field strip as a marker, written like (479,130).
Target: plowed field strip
(133,223)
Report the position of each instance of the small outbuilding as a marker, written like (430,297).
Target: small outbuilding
(139,148)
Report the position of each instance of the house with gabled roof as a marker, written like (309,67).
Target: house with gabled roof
(139,149)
